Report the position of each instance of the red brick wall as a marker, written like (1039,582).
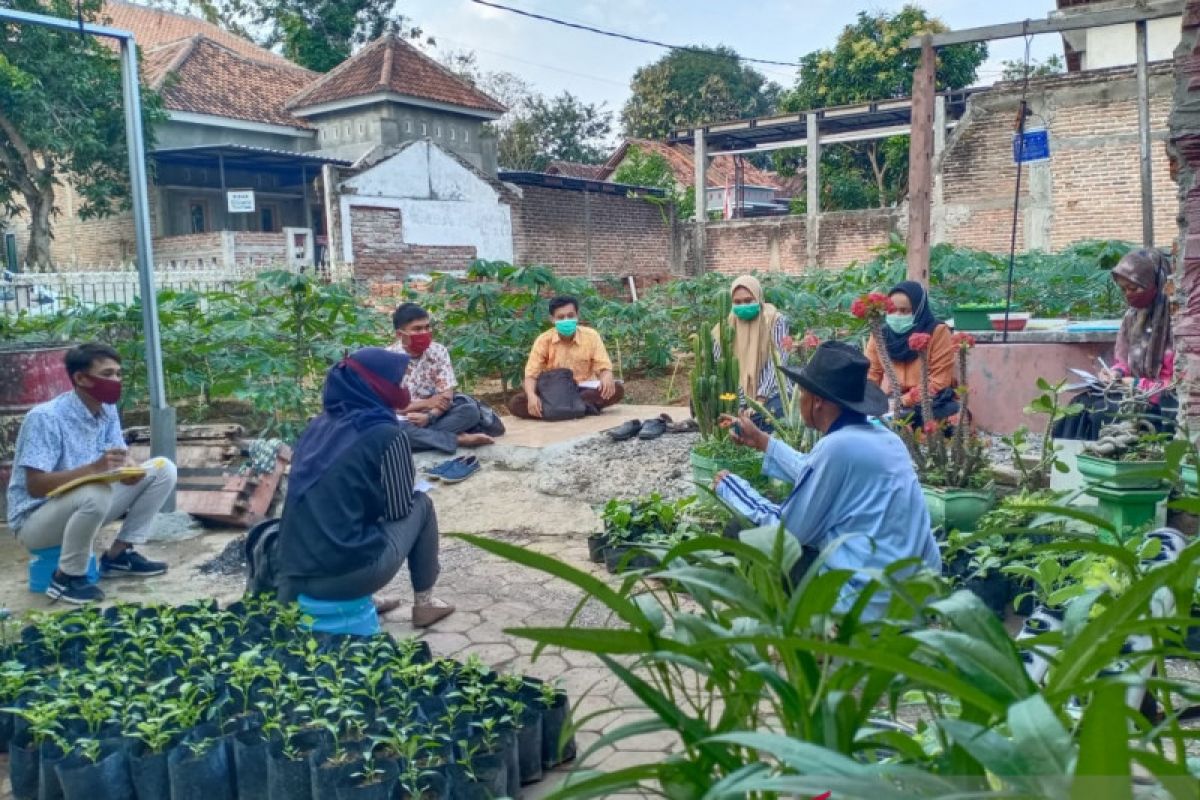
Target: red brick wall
(1090,188)
(771,244)
(592,235)
(381,255)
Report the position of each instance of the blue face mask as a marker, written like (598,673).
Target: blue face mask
(899,323)
(566,327)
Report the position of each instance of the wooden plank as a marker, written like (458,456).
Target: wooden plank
(190,432)
(204,504)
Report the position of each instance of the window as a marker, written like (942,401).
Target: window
(408,126)
(452,134)
(346,130)
(437,131)
(466,137)
(335,133)
(360,129)
(268,218)
(198,216)
(424,129)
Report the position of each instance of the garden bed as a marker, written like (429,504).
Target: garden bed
(198,702)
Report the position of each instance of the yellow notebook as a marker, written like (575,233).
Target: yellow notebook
(124,473)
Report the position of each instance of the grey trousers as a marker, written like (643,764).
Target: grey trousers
(414,538)
(72,520)
(442,434)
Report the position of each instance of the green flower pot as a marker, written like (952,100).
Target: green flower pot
(704,469)
(974,318)
(1191,480)
(957,509)
(1121,474)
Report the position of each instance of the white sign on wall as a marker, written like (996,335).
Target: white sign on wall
(240,201)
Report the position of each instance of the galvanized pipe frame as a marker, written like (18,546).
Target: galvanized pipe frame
(162,416)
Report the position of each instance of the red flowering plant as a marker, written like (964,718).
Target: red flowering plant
(873,308)
(945,454)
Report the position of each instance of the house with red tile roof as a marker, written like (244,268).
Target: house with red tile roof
(759,188)
(247,162)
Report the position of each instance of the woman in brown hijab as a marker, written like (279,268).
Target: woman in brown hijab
(759,330)
(1144,355)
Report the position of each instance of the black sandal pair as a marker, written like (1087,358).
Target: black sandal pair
(650,429)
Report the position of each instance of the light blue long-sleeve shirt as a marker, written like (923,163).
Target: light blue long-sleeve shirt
(859,479)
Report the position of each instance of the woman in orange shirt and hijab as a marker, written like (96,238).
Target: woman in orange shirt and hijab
(911,314)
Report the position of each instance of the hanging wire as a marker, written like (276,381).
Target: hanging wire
(1021,114)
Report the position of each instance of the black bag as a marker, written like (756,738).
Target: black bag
(560,396)
(489,420)
(262,573)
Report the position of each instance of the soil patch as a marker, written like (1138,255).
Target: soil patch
(230,561)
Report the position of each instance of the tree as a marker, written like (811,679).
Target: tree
(687,87)
(870,62)
(62,119)
(1017,70)
(651,170)
(537,130)
(317,34)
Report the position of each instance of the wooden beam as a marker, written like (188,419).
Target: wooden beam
(1055,24)
(920,166)
(812,181)
(700,156)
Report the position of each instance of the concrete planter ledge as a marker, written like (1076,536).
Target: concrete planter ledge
(1046,337)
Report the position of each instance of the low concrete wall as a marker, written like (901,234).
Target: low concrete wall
(1003,377)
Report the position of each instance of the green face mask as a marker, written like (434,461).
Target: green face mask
(746,311)
(566,327)
(900,323)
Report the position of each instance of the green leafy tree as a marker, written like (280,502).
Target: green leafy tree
(1017,70)
(62,121)
(643,168)
(687,87)
(871,62)
(562,127)
(317,34)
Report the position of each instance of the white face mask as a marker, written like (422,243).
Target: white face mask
(899,323)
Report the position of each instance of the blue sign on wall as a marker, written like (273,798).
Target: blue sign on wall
(1037,146)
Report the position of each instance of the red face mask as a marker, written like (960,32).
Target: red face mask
(1142,298)
(418,343)
(395,396)
(103,390)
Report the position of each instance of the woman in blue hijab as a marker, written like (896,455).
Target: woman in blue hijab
(352,517)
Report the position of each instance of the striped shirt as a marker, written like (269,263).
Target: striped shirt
(398,476)
(768,386)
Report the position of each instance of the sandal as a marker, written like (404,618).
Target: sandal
(688,425)
(652,429)
(627,430)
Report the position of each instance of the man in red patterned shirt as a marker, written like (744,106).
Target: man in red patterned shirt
(441,418)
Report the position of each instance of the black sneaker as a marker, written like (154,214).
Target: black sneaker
(74,589)
(131,562)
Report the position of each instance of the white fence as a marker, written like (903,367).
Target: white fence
(48,291)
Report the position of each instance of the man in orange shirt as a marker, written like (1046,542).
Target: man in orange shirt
(568,346)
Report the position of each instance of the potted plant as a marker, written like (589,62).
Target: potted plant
(715,392)
(954,469)
(1033,467)
(1129,453)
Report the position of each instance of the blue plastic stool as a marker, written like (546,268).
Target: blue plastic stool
(356,617)
(45,561)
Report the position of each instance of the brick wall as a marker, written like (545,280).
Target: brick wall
(1185,148)
(382,256)
(589,234)
(770,244)
(1090,188)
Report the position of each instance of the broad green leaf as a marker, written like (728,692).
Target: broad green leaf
(1102,770)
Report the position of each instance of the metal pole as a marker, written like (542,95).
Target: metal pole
(1143,87)
(162,416)
(700,156)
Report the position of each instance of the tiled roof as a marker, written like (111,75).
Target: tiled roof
(152,27)
(203,77)
(390,64)
(679,157)
(574,169)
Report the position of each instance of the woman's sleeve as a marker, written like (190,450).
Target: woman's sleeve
(1121,354)
(398,477)
(941,360)
(875,372)
(768,385)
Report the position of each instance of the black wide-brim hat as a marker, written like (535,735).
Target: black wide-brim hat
(837,372)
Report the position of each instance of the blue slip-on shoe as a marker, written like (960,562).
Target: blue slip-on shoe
(436,472)
(461,470)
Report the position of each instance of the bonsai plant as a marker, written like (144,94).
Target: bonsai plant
(1129,453)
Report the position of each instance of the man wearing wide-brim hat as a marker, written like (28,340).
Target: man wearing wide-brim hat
(858,481)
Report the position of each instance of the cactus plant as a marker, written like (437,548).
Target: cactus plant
(714,378)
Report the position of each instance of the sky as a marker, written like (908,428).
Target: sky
(598,68)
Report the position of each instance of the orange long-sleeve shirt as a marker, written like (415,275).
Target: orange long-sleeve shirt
(941,369)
